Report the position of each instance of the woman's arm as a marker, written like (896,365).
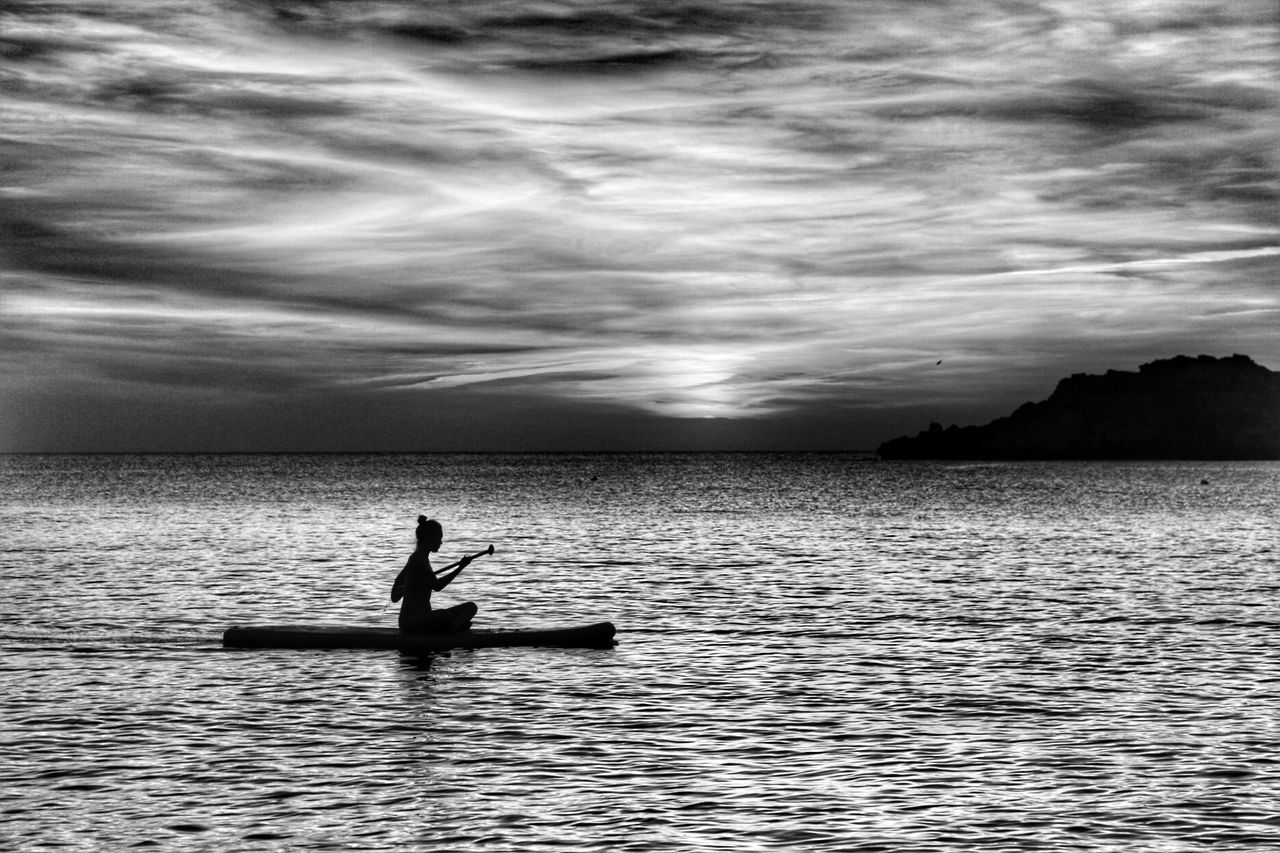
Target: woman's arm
(440,581)
(402,581)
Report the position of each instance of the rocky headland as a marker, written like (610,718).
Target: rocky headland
(1177,408)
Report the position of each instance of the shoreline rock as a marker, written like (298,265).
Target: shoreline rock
(1177,408)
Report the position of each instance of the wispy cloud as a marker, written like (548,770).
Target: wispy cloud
(744,212)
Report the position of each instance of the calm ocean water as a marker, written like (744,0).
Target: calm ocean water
(817,652)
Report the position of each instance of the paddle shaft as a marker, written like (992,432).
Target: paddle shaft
(486,551)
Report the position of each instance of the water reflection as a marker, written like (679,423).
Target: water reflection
(927,657)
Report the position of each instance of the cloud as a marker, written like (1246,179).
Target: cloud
(769,213)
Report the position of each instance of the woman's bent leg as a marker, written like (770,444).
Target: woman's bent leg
(462,615)
(447,620)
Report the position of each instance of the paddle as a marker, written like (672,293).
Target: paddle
(397,589)
(439,572)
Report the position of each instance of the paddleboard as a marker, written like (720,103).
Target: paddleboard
(598,635)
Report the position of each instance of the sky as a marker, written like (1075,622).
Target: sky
(307,226)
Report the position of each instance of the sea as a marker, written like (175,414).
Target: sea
(815,652)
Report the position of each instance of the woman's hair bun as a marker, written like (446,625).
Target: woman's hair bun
(422,519)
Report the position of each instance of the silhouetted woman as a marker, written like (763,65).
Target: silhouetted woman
(417,581)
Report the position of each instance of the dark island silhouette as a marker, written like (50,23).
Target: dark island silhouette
(1177,408)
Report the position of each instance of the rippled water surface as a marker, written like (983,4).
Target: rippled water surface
(815,653)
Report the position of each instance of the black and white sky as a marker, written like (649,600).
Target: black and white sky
(236,225)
